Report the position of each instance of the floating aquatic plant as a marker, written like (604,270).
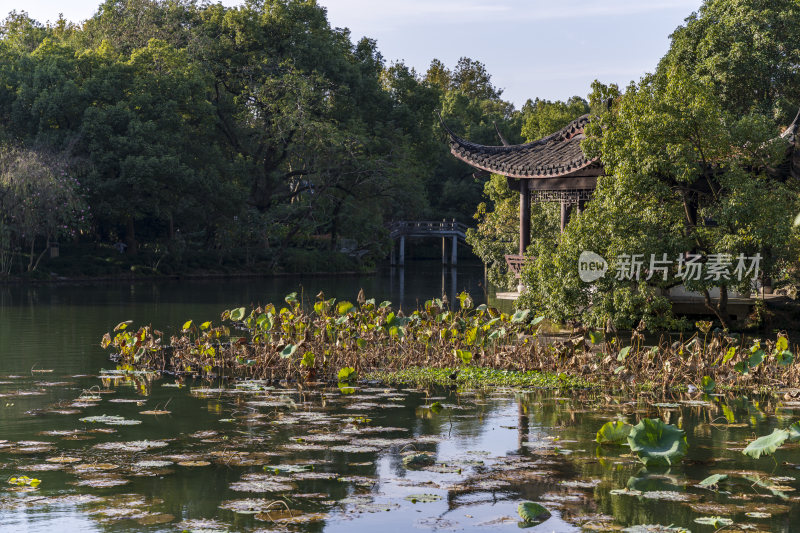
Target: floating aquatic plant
(110,420)
(614,432)
(418,460)
(712,480)
(656,443)
(768,444)
(24,481)
(423,498)
(531,512)
(715,521)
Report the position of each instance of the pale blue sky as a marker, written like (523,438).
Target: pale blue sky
(533,48)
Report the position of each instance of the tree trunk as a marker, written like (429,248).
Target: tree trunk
(721,309)
(39,258)
(30,261)
(690,208)
(335,225)
(130,237)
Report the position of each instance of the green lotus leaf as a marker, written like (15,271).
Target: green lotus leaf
(623,354)
(418,460)
(794,432)
(715,521)
(288,351)
(596,337)
(713,480)
(657,443)
(532,512)
(614,432)
(344,307)
(520,316)
(767,444)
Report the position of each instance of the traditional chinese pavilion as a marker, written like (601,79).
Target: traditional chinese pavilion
(552,169)
(555,169)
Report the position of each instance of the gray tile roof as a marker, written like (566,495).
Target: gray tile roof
(556,155)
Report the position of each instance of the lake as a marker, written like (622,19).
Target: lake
(132,451)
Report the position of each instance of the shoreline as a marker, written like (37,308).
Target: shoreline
(181,277)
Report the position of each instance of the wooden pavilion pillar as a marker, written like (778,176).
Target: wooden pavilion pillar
(566,210)
(524,216)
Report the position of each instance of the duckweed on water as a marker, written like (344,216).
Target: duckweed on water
(472,377)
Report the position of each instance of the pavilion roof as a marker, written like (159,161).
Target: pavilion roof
(557,155)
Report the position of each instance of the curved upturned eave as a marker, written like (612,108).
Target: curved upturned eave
(472,153)
(516,174)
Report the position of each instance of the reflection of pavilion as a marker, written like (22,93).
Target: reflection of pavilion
(552,169)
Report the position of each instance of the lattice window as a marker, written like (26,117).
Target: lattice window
(572,197)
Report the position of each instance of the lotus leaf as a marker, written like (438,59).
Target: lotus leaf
(657,443)
(655,528)
(623,354)
(423,498)
(713,480)
(347,374)
(794,432)
(24,480)
(532,512)
(767,444)
(716,521)
(111,420)
(520,316)
(418,460)
(287,469)
(614,432)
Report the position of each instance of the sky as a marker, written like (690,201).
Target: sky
(550,49)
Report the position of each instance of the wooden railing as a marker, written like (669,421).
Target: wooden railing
(515,264)
(430,228)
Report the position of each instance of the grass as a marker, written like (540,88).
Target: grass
(476,377)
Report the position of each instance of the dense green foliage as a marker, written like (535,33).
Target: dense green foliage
(747,51)
(250,136)
(682,175)
(693,164)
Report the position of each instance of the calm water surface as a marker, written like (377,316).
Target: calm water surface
(200,457)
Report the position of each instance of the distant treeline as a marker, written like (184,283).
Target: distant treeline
(197,136)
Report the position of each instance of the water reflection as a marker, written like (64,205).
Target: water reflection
(337,459)
(449,287)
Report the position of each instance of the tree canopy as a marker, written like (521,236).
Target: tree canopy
(253,133)
(694,171)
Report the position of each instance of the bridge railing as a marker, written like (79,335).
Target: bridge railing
(433,227)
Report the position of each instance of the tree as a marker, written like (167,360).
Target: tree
(748,51)
(682,176)
(543,117)
(39,203)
